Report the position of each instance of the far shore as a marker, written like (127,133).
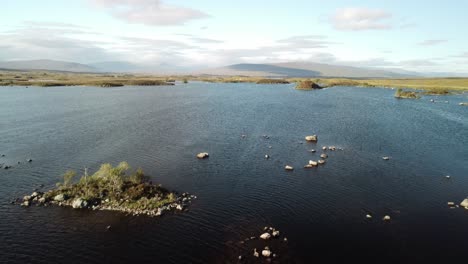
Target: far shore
(438,86)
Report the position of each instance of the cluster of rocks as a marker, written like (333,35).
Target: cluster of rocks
(312,163)
(41,199)
(268,234)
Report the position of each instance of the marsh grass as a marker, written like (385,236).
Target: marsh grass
(272,81)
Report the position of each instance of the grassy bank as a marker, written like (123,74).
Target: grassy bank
(439,86)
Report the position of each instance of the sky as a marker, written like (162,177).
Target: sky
(423,36)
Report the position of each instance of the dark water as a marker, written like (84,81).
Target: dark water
(321,211)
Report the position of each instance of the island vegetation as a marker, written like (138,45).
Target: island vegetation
(111,188)
(402,94)
(272,81)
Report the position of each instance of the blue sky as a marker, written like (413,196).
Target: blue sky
(426,36)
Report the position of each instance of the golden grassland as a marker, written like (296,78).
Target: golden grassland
(43,78)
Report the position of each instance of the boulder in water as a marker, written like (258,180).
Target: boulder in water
(464,203)
(203,155)
(265,236)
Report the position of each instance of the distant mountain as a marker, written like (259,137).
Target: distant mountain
(99,67)
(47,65)
(128,67)
(286,69)
(117,66)
(305,69)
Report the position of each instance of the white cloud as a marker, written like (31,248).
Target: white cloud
(360,19)
(432,42)
(149,12)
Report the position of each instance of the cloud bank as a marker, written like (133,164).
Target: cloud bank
(149,12)
(355,19)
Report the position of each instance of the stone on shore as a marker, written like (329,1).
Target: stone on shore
(79,203)
(59,197)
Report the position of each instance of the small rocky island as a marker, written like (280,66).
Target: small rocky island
(307,85)
(110,188)
(401,94)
